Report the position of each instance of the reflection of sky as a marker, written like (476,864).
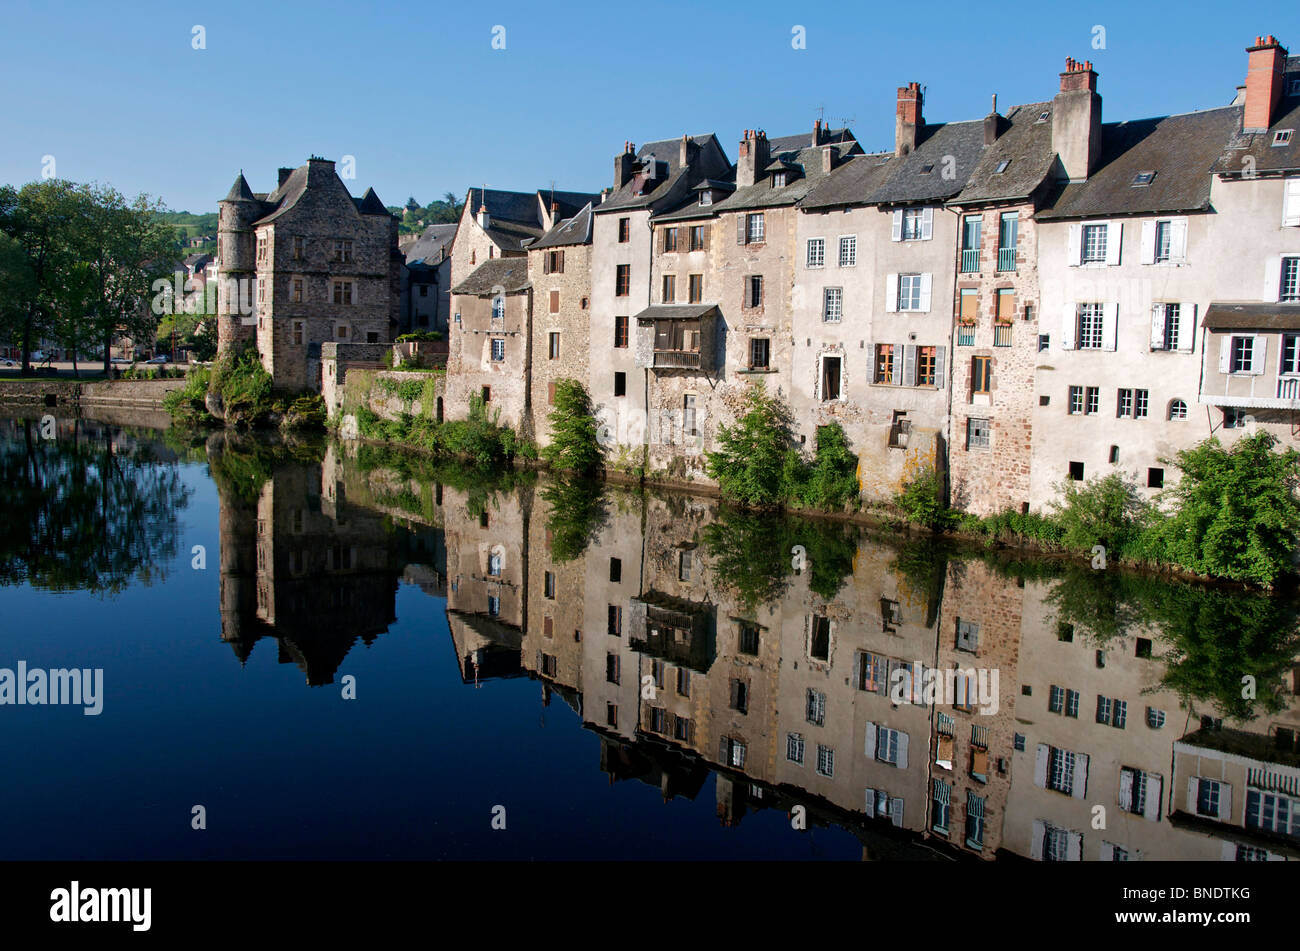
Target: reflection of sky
(410,769)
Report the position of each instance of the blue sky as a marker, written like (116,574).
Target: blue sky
(417,94)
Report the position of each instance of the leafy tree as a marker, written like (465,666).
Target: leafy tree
(751,461)
(573,443)
(831,482)
(922,500)
(1107,511)
(1235,511)
(577,512)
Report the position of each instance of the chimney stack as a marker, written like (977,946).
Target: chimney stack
(753,158)
(817,135)
(484,219)
(1076,121)
(992,124)
(908,121)
(687,153)
(828,158)
(1264,69)
(284,175)
(623,165)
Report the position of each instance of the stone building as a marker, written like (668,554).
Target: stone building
(303,265)
(491,339)
(426,280)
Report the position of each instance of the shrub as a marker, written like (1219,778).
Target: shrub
(1107,511)
(831,482)
(573,442)
(922,500)
(420,336)
(751,461)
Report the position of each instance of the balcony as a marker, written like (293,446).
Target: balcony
(1001,335)
(1288,388)
(677,359)
(970,260)
(1006,259)
(966,335)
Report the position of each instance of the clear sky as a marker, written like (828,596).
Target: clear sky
(417,93)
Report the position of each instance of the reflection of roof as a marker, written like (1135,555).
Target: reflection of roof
(675,311)
(498,632)
(1255,746)
(664,611)
(505,275)
(1252,316)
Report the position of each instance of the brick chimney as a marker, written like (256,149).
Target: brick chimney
(284,175)
(1076,121)
(623,165)
(754,156)
(907,121)
(993,124)
(828,158)
(1264,71)
(818,133)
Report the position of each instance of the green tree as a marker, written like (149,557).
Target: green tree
(750,463)
(1107,511)
(573,442)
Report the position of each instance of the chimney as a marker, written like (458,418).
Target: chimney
(993,124)
(484,219)
(284,175)
(828,158)
(817,135)
(1264,70)
(623,166)
(687,153)
(907,121)
(1076,121)
(753,158)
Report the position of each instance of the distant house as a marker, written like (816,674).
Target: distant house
(426,279)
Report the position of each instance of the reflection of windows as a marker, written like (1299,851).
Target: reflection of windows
(685,564)
(615,627)
(739,695)
(494,605)
(494,564)
(968,635)
(1208,796)
(888,745)
(819,644)
(974,820)
(498,350)
(977,433)
(613,668)
(940,796)
(1272,812)
(1060,771)
(794,748)
(732,752)
(825,760)
(891,615)
(816,707)
(748,638)
(683,682)
(1155,718)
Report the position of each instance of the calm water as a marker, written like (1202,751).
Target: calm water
(344,653)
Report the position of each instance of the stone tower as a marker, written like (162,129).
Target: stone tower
(237,265)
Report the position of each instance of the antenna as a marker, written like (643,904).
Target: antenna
(821,112)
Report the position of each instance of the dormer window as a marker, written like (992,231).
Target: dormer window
(1142,179)
(706,197)
(779,179)
(1282,137)
(1002,166)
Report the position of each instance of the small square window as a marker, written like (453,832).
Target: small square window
(1043,341)
(1282,136)
(1044,400)
(1002,166)
(615,570)
(1142,648)
(1143,178)
(620,384)
(1155,478)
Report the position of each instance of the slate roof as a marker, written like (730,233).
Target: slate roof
(508,274)
(852,183)
(240,190)
(668,151)
(1259,145)
(793,143)
(515,217)
(807,164)
(290,192)
(575,230)
(1251,316)
(1025,144)
(938,168)
(432,239)
(1180,149)
(675,311)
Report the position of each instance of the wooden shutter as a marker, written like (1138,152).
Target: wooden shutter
(1225,354)
(902,751)
(555,302)
(741,234)
(546,262)
(1158,327)
(939,354)
(1126,790)
(1155,797)
(927,284)
(1067,327)
(943,751)
(1074,846)
(1225,801)
(1114,237)
(1272,279)
(550,393)
(1178,241)
(1040,765)
(979,762)
(705,229)
(1109,325)
(1080,775)
(663,240)
(857,670)
(909,365)
(1074,254)
(870,741)
(1036,841)
(891,292)
(1187,327)
(561,262)
(896,226)
(1148,242)
(927,224)
(1259,351)
(1291,203)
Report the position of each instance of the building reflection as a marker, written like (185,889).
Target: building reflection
(932,705)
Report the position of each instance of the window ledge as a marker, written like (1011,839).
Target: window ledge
(755,371)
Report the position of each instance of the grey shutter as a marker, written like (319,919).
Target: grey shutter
(891,293)
(1080,775)
(741,234)
(896,227)
(723,758)
(896,812)
(1109,325)
(1114,239)
(1148,242)
(1178,241)
(1191,794)
(1225,801)
(927,284)
(1040,765)
(1107,852)
(1074,846)
(1187,327)
(1126,790)
(1068,327)
(1158,327)
(870,744)
(1036,840)
(927,224)
(939,354)
(1225,354)
(1155,797)
(909,365)
(1259,352)
(902,750)
(857,670)
(1074,253)
(1272,279)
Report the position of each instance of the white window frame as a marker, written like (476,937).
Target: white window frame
(498,343)
(817,260)
(848,250)
(832,314)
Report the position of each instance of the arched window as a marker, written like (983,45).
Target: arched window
(498,308)
(1177,409)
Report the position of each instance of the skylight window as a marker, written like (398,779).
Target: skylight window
(1143,178)
(1002,166)
(1044,115)
(1282,136)
(927,168)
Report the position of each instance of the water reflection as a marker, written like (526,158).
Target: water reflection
(931,702)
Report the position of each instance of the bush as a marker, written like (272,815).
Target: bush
(831,482)
(573,442)
(1107,511)
(420,336)
(187,403)
(751,461)
(922,500)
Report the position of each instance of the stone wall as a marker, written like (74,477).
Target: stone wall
(571,320)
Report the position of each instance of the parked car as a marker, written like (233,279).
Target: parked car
(161,358)
(6,362)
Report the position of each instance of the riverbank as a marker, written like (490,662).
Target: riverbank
(54,391)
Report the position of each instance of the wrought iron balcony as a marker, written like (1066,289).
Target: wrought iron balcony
(1006,259)
(970,260)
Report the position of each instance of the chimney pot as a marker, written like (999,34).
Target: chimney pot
(1265,65)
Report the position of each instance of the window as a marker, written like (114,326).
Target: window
(739,695)
(974,820)
(682,728)
(553,263)
(1242,357)
(1064,701)
(968,636)
(261,248)
(884,363)
(909,291)
(970,243)
(1272,813)
(913,220)
(1155,477)
(1290,354)
(888,745)
(778,179)
(1008,235)
(977,433)
(816,252)
(620,383)
(794,748)
(759,353)
(695,288)
(748,639)
(620,332)
(825,761)
(615,621)
(819,643)
(343,250)
(1282,137)
(1094,244)
(816,707)
(549,588)
(754,291)
(1207,796)
(940,796)
(1092,399)
(341,331)
(926,364)
(297,332)
(553,345)
(1234,418)
(697,238)
(685,564)
(1088,335)
(1112,712)
(297,248)
(658,719)
(611,714)
(830,378)
(498,308)
(670,240)
(343,292)
(1060,771)
(624,230)
(1005,305)
(683,682)
(981,375)
(669,295)
(706,197)
(689,427)
(832,304)
(615,570)
(622,280)
(486,393)
(848,250)
(1289,292)
(1002,166)
(734,752)
(754,228)
(498,350)
(555,302)
(297,290)
(1125,407)
(494,606)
